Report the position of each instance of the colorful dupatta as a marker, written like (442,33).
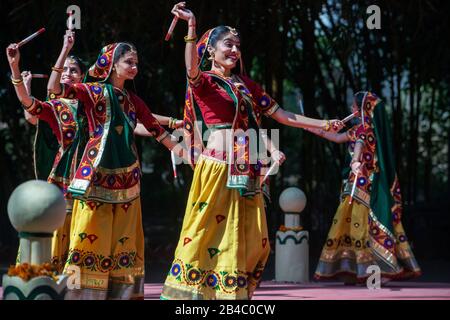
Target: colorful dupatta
(244,166)
(377,186)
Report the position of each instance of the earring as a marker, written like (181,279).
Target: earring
(211,56)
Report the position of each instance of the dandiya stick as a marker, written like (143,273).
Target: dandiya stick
(172,26)
(174,164)
(39,76)
(354,188)
(271,170)
(31,37)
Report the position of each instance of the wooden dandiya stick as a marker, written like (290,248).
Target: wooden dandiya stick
(39,76)
(354,188)
(31,37)
(172,26)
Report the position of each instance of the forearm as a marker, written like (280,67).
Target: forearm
(296,120)
(190,54)
(53,85)
(331,136)
(172,144)
(163,120)
(357,151)
(20,89)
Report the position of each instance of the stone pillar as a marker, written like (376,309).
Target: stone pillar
(292,242)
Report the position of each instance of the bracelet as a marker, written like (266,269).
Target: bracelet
(172,123)
(59,70)
(194,79)
(327,126)
(187,39)
(32,102)
(16,82)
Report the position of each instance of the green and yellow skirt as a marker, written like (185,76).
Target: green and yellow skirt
(356,241)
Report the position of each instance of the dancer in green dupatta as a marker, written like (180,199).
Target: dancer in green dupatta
(367,228)
(107,241)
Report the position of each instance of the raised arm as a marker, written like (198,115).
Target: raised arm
(190,53)
(53,85)
(13,54)
(27,77)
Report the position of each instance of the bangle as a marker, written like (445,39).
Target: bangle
(16,82)
(194,79)
(172,123)
(32,102)
(187,39)
(59,70)
(327,126)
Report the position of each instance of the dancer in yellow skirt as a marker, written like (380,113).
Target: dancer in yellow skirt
(224,243)
(106,240)
(367,228)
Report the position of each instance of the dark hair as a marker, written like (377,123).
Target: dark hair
(80,63)
(219,33)
(122,49)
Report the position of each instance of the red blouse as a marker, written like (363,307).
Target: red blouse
(217,107)
(132,105)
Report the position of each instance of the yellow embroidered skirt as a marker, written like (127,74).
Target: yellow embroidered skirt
(223,246)
(354,243)
(107,244)
(60,244)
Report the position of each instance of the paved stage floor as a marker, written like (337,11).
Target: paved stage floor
(337,291)
(270,290)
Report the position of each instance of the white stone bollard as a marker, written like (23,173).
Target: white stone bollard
(292,242)
(35,209)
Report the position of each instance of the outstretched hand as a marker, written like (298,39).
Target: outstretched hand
(336,125)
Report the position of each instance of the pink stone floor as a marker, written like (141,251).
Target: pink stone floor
(336,291)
